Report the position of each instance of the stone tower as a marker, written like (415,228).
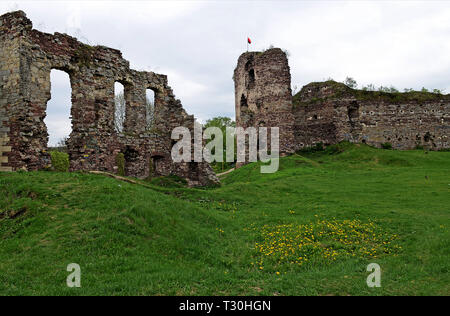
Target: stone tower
(263,96)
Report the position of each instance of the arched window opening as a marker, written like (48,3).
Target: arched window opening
(58,119)
(244,104)
(119,107)
(150,107)
(156,162)
(353,113)
(251,79)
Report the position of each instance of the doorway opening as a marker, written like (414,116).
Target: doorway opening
(58,118)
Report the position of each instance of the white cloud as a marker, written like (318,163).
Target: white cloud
(74,18)
(185,88)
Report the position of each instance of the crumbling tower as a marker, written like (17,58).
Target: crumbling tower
(263,95)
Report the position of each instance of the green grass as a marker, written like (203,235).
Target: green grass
(152,240)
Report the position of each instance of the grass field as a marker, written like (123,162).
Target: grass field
(309,229)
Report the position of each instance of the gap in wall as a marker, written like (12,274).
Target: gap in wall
(58,118)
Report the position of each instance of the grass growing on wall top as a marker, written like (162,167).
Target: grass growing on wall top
(340,90)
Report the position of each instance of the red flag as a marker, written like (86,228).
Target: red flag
(249,40)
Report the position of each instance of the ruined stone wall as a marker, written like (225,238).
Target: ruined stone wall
(263,96)
(29,57)
(9,86)
(330,112)
(405,125)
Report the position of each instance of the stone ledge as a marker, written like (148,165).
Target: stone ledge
(5,169)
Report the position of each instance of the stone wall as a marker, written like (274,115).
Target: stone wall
(27,58)
(263,95)
(330,112)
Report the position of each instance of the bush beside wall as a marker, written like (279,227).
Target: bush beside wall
(60,161)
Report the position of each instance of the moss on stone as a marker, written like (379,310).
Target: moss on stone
(120,162)
(150,169)
(84,55)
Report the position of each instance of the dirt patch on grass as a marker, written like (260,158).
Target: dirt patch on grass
(13,214)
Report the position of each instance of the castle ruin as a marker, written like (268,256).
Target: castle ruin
(26,58)
(325,112)
(330,112)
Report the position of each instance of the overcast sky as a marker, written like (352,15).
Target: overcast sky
(401,43)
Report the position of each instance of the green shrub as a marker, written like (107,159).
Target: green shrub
(170,181)
(386,146)
(338,148)
(150,169)
(60,161)
(120,162)
(312,149)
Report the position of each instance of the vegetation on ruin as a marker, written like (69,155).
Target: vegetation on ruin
(60,161)
(120,164)
(84,54)
(309,229)
(368,93)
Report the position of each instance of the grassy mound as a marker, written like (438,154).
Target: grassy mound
(338,210)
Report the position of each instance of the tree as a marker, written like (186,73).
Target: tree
(62,142)
(437,91)
(369,87)
(350,82)
(61,145)
(390,89)
(119,112)
(393,89)
(221,122)
(150,111)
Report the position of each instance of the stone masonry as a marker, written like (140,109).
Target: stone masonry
(330,112)
(263,94)
(26,58)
